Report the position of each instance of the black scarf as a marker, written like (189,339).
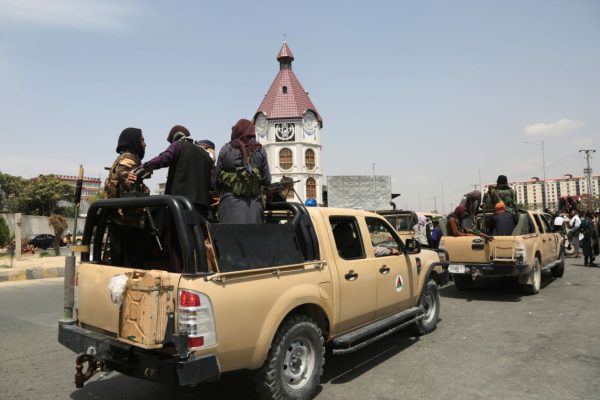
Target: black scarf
(131,140)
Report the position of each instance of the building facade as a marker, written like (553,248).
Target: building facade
(288,126)
(89,187)
(532,193)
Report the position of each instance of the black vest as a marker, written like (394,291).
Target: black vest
(190,176)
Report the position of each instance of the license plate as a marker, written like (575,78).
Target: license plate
(456,269)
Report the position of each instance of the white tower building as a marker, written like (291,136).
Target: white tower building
(288,126)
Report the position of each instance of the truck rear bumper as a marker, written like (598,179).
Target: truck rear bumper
(136,362)
(487,270)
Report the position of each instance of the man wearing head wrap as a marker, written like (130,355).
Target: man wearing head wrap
(420,230)
(455,219)
(242,169)
(190,169)
(503,223)
(504,193)
(125,233)
(471,201)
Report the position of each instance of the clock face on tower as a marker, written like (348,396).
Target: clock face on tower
(261,125)
(285,132)
(309,121)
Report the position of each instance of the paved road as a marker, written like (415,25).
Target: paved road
(491,343)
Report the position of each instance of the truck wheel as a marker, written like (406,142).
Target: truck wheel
(463,282)
(534,280)
(559,270)
(294,365)
(430,303)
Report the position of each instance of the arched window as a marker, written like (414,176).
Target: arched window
(311,188)
(285,159)
(309,159)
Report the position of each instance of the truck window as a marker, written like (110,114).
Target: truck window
(542,223)
(383,238)
(347,237)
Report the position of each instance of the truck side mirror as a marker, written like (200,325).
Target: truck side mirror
(412,246)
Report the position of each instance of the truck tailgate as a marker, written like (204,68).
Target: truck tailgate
(142,316)
(467,249)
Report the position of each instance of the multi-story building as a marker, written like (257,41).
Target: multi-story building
(532,193)
(289,126)
(89,188)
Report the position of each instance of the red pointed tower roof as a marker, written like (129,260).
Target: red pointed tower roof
(286,97)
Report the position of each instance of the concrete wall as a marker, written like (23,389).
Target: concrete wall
(33,224)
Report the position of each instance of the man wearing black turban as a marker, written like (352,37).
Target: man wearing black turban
(125,231)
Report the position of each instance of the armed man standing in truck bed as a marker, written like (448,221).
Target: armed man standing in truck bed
(126,240)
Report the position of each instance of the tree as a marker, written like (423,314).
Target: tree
(99,195)
(10,189)
(4,233)
(59,224)
(43,194)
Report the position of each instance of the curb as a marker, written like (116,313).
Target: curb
(22,274)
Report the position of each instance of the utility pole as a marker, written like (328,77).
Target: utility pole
(443,201)
(588,173)
(435,203)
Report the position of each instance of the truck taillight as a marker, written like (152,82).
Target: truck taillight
(195,317)
(520,252)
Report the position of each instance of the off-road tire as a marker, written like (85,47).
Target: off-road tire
(294,365)
(559,270)
(536,276)
(463,282)
(430,302)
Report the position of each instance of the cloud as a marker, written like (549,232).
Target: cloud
(557,128)
(74,14)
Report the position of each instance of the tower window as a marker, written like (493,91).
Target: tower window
(285,159)
(309,159)
(311,188)
(284,89)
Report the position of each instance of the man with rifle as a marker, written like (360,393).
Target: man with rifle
(126,226)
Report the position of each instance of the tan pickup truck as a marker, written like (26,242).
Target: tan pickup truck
(532,247)
(264,297)
(405,220)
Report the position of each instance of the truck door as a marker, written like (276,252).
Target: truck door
(357,278)
(548,239)
(395,278)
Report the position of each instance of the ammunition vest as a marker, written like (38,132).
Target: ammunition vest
(239,182)
(112,187)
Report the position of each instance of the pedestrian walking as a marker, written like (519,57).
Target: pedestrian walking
(589,235)
(573,235)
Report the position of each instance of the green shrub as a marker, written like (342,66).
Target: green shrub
(4,233)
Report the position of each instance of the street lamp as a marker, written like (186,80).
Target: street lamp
(541,143)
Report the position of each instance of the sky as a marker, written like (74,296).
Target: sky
(440,95)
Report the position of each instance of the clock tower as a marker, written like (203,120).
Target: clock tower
(288,126)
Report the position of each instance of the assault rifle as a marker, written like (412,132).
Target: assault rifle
(136,191)
(278,191)
(479,233)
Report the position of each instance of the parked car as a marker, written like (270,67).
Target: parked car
(42,241)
